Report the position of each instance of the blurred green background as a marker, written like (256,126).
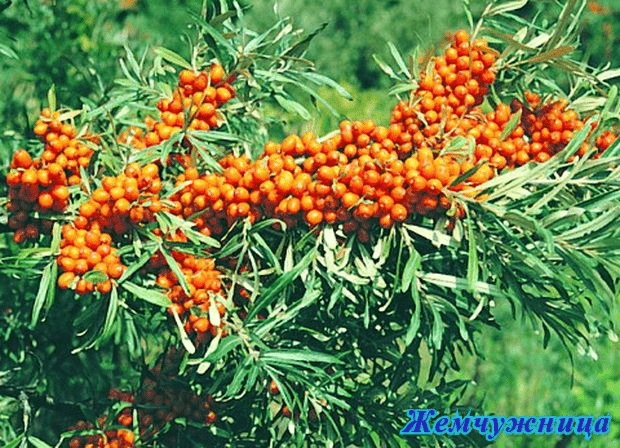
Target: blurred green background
(76,44)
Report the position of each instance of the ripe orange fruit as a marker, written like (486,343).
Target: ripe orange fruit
(21,159)
(46,201)
(65,280)
(187,77)
(398,212)
(201,325)
(88,209)
(60,193)
(314,217)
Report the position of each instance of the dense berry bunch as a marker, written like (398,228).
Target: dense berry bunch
(130,197)
(202,305)
(160,400)
(453,84)
(352,178)
(550,127)
(361,175)
(62,145)
(194,105)
(112,438)
(40,185)
(86,245)
(85,250)
(366,173)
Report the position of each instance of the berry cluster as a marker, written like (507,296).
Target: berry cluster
(112,438)
(40,185)
(85,250)
(161,399)
(202,305)
(367,173)
(194,105)
(454,83)
(351,178)
(131,197)
(550,127)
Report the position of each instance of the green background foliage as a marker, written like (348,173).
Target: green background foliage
(75,45)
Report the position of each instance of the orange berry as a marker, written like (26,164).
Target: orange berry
(60,193)
(116,193)
(116,270)
(398,212)
(186,77)
(46,200)
(100,195)
(88,209)
(217,74)
(65,280)
(314,217)
(21,159)
(201,325)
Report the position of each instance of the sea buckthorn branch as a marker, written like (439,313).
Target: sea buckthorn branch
(358,175)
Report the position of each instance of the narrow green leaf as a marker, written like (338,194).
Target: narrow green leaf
(263,248)
(174,266)
(225,346)
(608,74)
(42,293)
(51,97)
(299,356)
(56,237)
(110,316)
(7,51)
(239,380)
(468,15)
(324,80)
(279,285)
(511,125)
(437,328)
(261,40)
(550,55)
(172,57)
(15,442)
(414,323)
(472,258)
(95,277)
(410,269)
(386,68)
(185,340)
(454,144)
(300,47)
(503,7)
(132,61)
(149,295)
(135,266)
(293,107)
(399,60)
(215,34)
(561,23)
(38,443)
